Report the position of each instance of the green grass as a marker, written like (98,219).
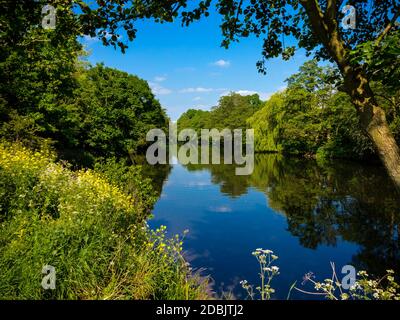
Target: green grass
(92,231)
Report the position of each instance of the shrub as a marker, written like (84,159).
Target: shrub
(90,230)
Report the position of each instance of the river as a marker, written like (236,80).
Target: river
(308,213)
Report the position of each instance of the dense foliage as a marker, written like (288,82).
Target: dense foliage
(91,231)
(362,50)
(104,112)
(37,68)
(195,119)
(114,111)
(231,112)
(89,225)
(48,96)
(310,117)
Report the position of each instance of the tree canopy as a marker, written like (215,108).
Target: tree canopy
(48,95)
(231,113)
(310,117)
(116,110)
(364,53)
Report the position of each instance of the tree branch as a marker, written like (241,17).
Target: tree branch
(316,17)
(327,29)
(388,28)
(331,13)
(331,10)
(232,32)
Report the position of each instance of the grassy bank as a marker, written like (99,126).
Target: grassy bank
(92,231)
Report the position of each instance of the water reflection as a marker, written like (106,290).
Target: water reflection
(324,205)
(326,202)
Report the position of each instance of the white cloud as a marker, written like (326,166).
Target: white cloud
(221,209)
(200,90)
(196,98)
(158,89)
(221,63)
(198,183)
(160,78)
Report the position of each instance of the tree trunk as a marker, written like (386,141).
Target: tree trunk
(373,121)
(385,144)
(356,85)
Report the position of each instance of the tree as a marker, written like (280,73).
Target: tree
(194,119)
(116,110)
(231,112)
(47,96)
(314,23)
(37,69)
(310,117)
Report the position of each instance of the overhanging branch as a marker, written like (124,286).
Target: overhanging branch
(326,28)
(388,28)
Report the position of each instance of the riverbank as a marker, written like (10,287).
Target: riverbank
(93,233)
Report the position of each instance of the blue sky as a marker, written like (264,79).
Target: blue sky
(187,68)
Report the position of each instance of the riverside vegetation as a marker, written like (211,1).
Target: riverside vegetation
(71,192)
(308,118)
(89,229)
(363,288)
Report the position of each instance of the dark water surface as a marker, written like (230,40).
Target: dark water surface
(307,213)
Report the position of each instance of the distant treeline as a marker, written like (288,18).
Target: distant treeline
(311,117)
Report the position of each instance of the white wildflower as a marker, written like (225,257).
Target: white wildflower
(275,269)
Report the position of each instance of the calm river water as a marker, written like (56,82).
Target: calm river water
(309,214)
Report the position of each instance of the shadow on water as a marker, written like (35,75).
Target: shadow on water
(343,211)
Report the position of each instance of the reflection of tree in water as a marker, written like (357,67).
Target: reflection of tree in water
(156,173)
(236,186)
(374,226)
(326,203)
(355,203)
(224,176)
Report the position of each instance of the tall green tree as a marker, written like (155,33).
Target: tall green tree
(231,112)
(48,96)
(316,24)
(37,71)
(194,119)
(310,117)
(116,110)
